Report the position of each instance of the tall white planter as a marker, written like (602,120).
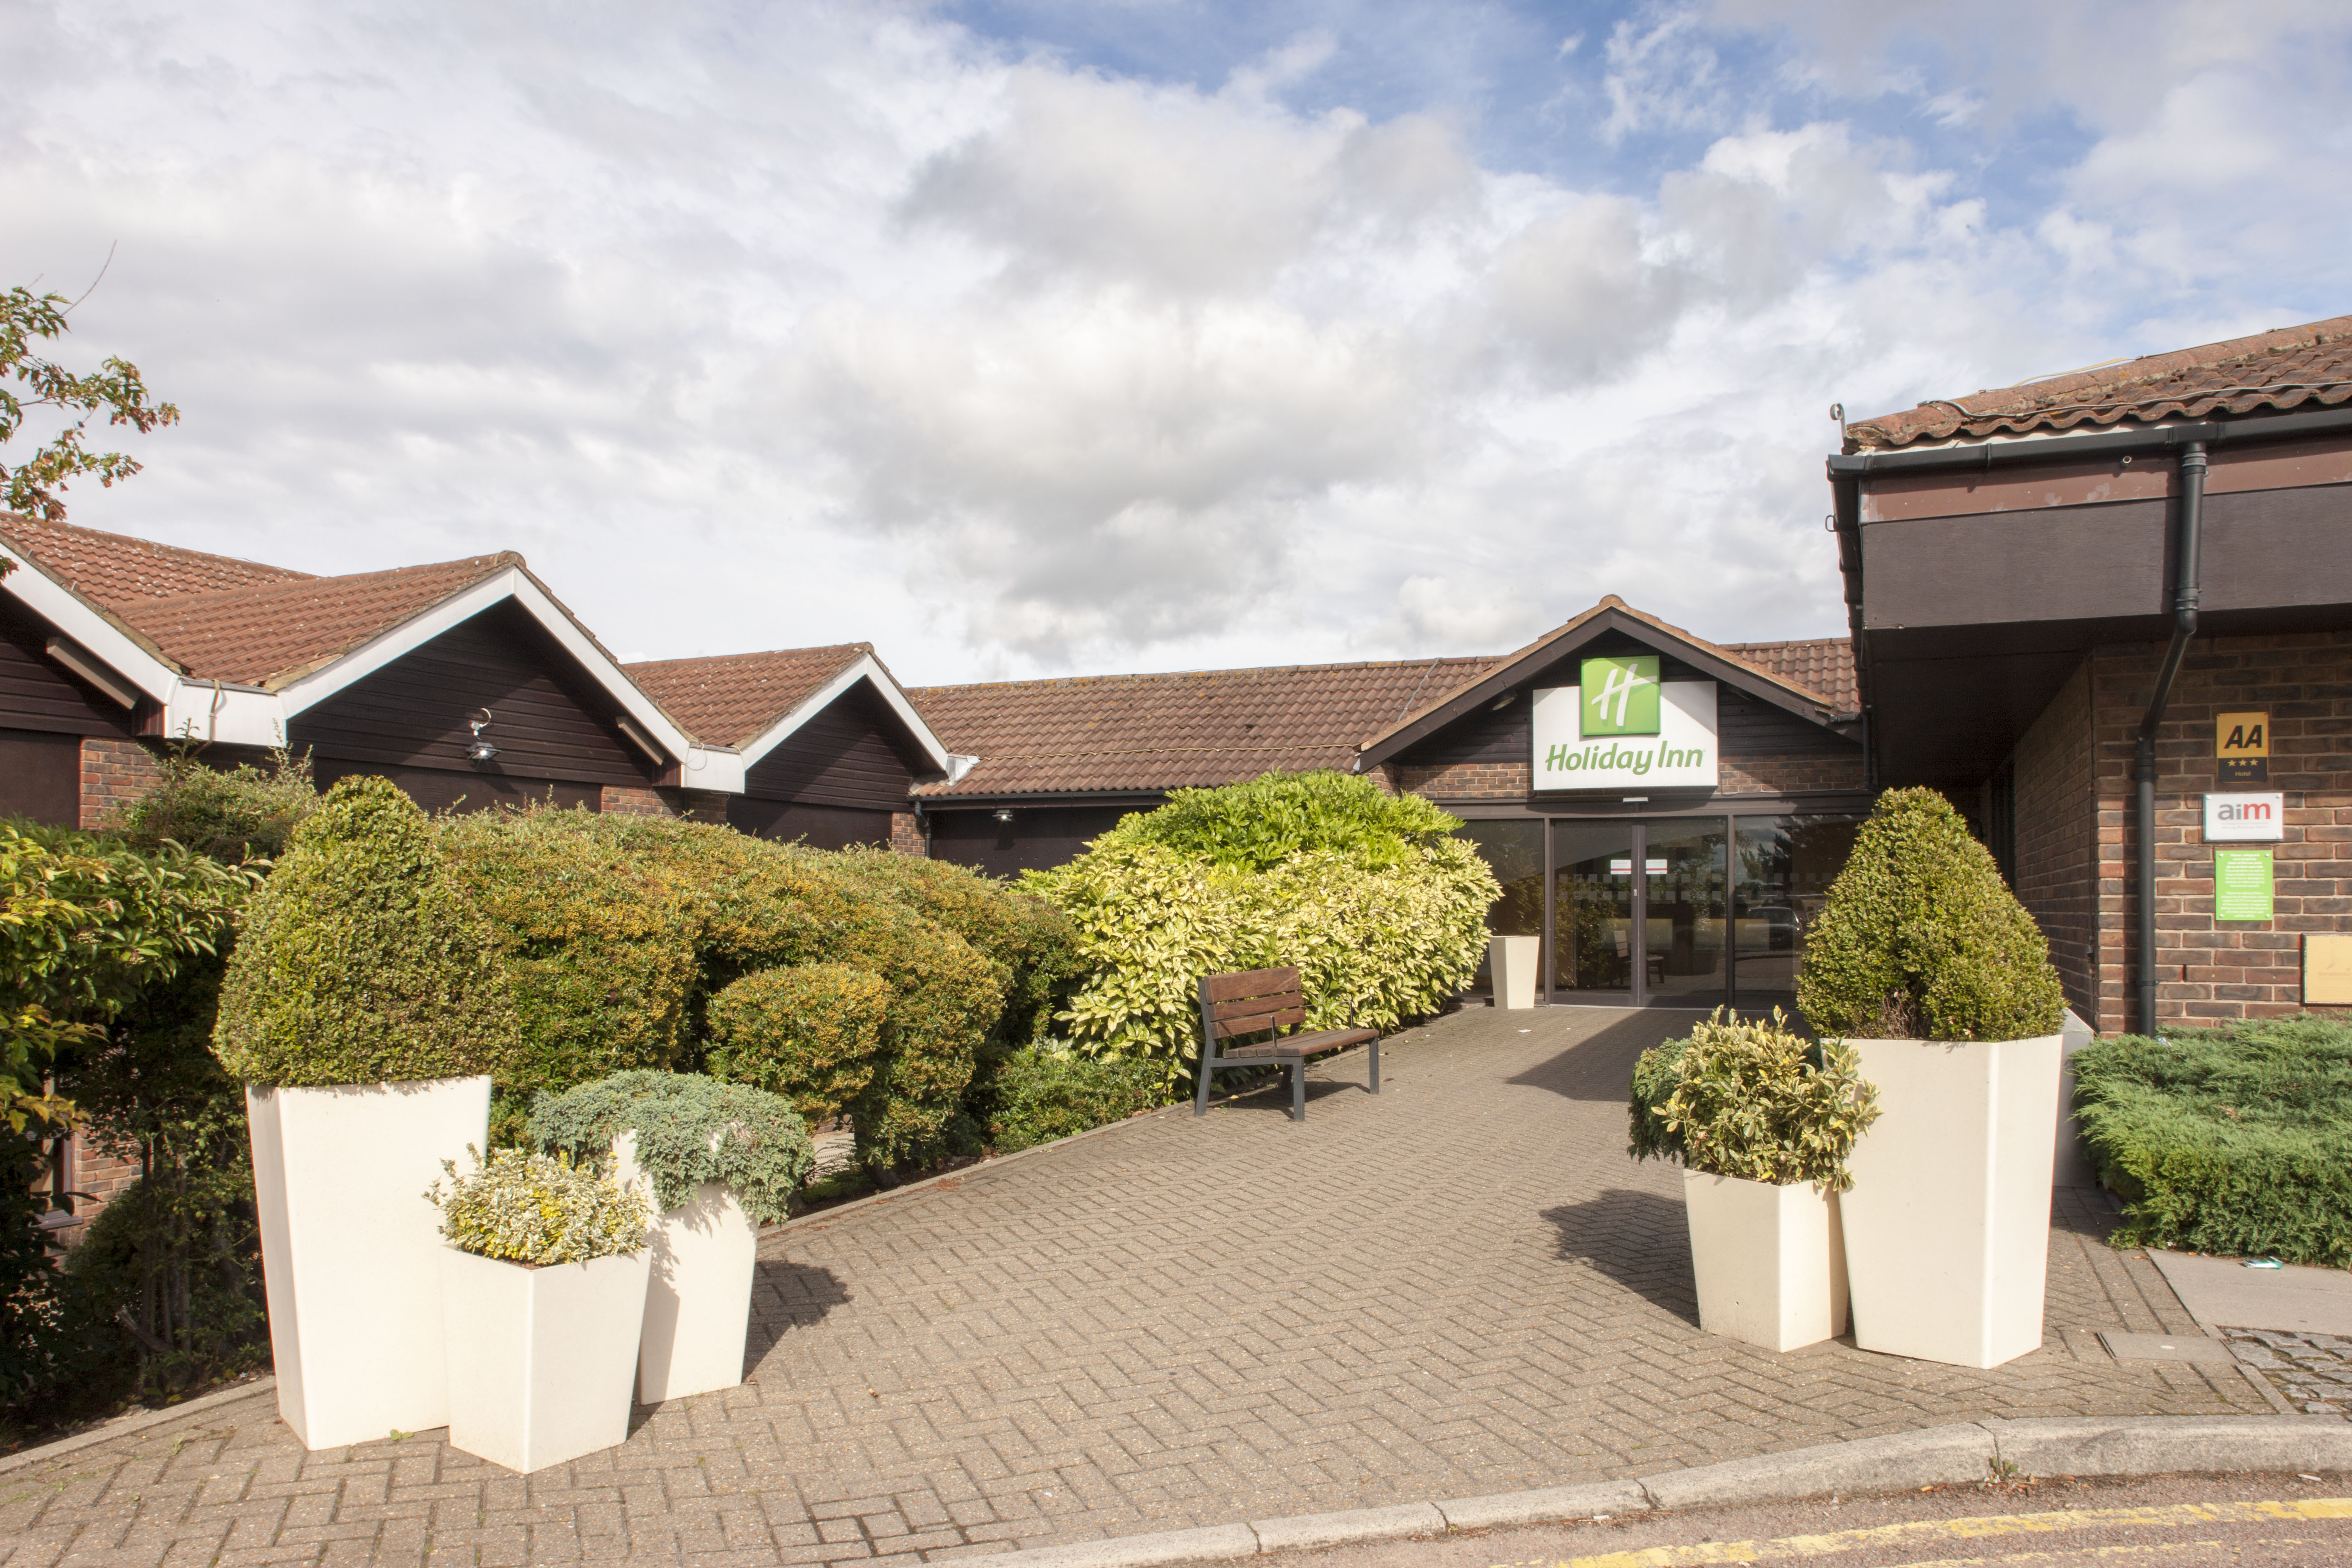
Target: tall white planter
(698,1296)
(351,1249)
(541,1359)
(1769,1260)
(1948,1224)
(1511,959)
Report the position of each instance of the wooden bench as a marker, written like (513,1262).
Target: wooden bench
(1266,1002)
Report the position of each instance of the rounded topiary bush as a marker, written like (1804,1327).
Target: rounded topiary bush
(810,1033)
(359,962)
(1920,938)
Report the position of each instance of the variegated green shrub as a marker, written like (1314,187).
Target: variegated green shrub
(1374,944)
(537,1209)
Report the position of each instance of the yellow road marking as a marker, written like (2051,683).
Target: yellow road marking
(1791,1546)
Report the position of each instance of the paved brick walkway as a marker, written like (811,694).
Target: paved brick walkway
(1459,1288)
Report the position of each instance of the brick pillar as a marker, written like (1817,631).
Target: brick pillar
(113,775)
(906,833)
(625,800)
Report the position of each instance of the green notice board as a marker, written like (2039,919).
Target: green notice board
(2241,884)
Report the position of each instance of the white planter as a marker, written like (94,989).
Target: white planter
(1948,1224)
(698,1297)
(1512,962)
(1769,1260)
(351,1248)
(541,1359)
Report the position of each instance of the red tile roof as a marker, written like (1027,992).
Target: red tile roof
(276,632)
(2288,368)
(1823,666)
(113,570)
(1113,733)
(734,699)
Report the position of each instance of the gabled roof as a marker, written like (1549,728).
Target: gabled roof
(2289,367)
(730,699)
(1112,735)
(1612,614)
(275,634)
(114,568)
(753,701)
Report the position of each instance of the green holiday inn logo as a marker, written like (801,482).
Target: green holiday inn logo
(1620,696)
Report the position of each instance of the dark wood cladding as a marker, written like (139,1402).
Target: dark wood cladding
(819,827)
(40,777)
(853,752)
(446,789)
(35,693)
(2262,549)
(1038,837)
(552,724)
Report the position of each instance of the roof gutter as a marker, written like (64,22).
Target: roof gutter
(2186,544)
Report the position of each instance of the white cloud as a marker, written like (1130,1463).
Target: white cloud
(805,324)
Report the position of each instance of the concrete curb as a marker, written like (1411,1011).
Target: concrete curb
(132,1426)
(1935,1455)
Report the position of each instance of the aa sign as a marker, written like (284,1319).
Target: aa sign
(2241,742)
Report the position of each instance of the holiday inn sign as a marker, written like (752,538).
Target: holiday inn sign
(1622,726)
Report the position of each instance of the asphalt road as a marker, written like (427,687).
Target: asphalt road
(2167,1522)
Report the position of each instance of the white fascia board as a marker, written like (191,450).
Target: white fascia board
(224,715)
(75,616)
(511,584)
(865,667)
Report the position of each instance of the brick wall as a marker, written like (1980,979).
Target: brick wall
(635,800)
(2058,835)
(1467,781)
(1774,775)
(2209,971)
(114,774)
(906,833)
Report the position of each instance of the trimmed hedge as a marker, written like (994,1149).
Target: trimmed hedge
(810,1033)
(1277,816)
(1920,938)
(1044,1093)
(2233,1141)
(360,962)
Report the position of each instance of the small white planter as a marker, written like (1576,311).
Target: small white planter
(351,1248)
(541,1359)
(698,1297)
(1770,1261)
(1512,962)
(1948,1224)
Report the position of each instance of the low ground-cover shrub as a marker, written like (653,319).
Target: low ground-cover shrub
(1048,1091)
(2234,1142)
(1383,926)
(1920,938)
(689,1130)
(1753,1099)
(229,813)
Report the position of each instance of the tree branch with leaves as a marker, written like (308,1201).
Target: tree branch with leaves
(31,383)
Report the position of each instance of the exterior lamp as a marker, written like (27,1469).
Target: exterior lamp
(1004,814)
(478,750)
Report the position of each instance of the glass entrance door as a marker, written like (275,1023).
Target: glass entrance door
(1594,913)
(1683,912)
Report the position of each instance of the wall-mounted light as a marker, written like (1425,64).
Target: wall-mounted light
(478,750)
(1504,700)
(1004,814)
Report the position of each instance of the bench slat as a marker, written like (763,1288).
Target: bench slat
(1249,983)
(1298,1045)
(1256,1007)
(1257,1024)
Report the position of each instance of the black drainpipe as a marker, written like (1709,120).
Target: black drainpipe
(2184,627)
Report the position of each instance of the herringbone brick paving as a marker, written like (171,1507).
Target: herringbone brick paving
(1460,1286)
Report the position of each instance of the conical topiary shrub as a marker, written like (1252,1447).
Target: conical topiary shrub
(1921,939)
(359,962)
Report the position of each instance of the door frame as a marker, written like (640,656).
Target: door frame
(1637,994)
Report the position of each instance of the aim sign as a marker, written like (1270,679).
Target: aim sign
(1679,751)
(2249,819)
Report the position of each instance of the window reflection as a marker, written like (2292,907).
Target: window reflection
(1785,867)
(1513,850)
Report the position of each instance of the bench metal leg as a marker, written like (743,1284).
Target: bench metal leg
(1207,1075)
(1298,1089)
(1376,1066)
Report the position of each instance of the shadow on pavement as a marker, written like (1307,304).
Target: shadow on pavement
(787,1295)
(1600,1066)
(1639,1239)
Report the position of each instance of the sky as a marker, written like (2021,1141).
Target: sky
(1032,338)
